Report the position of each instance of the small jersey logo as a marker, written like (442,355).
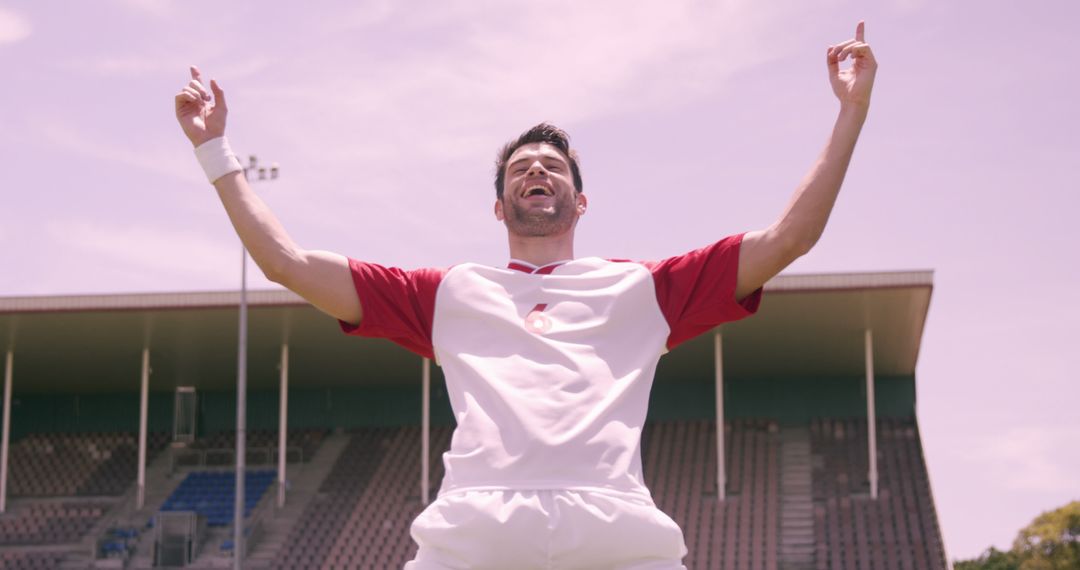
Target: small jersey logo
(536,321)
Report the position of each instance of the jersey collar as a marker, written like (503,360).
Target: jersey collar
(526,267)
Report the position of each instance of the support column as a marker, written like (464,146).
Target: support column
(721,469)
(144,383)
(241,421)
(6,437)
(871,412)
(283,416)
(425,429)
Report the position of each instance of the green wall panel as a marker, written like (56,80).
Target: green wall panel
(787,400)
(794,400)
(47,413)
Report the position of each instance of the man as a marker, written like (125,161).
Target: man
(549,361)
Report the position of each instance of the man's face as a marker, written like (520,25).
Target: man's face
(539,198)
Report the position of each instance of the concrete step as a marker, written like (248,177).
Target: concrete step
(797,544)
(304,480)
(303,487)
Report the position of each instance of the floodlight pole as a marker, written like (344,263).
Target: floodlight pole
(241,380)
(425,429)
(871,412)
(144,388)
(6,438)
(283,422)
(721,468)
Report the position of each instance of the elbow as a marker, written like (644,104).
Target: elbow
(801,247)
(281,268)
(276,275)
(794,245)
(799,243)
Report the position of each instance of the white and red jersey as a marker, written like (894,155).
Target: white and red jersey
(549,368)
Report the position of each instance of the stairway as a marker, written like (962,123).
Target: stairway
(797,549)
(160,483)
(304,483)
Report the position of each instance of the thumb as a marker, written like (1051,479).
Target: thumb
(219,95)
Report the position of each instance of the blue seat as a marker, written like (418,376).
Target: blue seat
(212,494)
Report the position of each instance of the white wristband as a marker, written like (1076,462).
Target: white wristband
(216,158)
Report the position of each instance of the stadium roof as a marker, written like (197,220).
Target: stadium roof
(808,325)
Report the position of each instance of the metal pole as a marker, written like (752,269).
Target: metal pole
(871,411)
(241,418)
(283,415)
(721,469)
(425,428)
(241,384)
(140,497)
(5,442)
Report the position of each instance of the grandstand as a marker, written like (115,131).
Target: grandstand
(119,432)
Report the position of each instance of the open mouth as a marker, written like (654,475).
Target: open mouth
(537,190)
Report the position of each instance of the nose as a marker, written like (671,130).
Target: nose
(536,169)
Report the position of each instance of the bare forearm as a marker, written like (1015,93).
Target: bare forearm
(806,215)
(262,234)
(765,253)
(321,277)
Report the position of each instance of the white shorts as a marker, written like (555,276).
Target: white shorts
(545,529)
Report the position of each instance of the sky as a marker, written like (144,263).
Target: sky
(694,120)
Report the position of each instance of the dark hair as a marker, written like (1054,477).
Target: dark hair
(542,133)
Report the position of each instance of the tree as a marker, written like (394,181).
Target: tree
(992,559)
(1050,542)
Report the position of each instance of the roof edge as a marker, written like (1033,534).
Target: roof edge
(805,282)
(283,297)
(144,301)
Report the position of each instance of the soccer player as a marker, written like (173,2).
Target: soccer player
(549,361)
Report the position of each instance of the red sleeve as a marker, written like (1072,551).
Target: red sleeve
(398,305)
(696,290)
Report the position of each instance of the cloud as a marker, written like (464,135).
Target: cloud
(13,27)
(157,8)
(908,5)
(150,255)
(140,65)
(565,62)
(165,161)
(1031,458)
(129,65)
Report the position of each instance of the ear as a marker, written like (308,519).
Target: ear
(582,203)
(499,210)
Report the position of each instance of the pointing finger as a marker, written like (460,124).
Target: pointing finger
(196,77)
(860,31)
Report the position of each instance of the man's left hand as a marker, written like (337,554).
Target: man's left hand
(852,85)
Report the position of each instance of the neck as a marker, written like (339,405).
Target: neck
(543,250)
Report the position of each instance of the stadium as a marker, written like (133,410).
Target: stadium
(120,422)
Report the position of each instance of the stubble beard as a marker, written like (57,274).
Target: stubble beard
(526,221)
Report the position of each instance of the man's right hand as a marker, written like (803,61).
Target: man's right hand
(200,119)
(324,279)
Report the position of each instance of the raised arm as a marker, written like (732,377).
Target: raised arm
(764,253)
(322,278)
